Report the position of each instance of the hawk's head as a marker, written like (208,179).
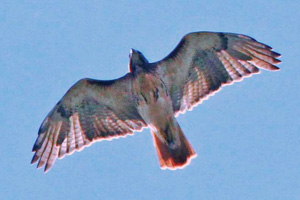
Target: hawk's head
(137,61)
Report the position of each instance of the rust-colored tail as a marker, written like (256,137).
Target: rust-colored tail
(177,156)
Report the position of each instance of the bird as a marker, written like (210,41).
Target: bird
(151,95)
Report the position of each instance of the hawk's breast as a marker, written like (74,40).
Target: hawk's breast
(153,102)
(147,88)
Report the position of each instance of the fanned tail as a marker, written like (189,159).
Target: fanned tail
(174,156)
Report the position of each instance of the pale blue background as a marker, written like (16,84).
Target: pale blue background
(247,136)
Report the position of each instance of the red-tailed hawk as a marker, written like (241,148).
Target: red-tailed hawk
(150,96)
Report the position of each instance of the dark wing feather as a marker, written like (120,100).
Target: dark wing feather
(204,61)
(90,111)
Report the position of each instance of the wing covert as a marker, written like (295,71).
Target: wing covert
(90,111)
(204,61)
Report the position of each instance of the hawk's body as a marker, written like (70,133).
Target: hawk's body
(151,95)
(155,107)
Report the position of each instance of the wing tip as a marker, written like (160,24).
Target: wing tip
(270,67)
(34,159)
(276,55)
(275,68)
(35,147)
(40,164)
(47,167)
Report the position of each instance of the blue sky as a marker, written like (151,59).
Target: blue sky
(247,136)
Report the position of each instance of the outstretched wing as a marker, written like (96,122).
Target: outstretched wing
(204,61)
(90,111)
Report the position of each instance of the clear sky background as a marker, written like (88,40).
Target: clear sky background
(247,136)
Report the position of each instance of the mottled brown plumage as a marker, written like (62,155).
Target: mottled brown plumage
(151,95)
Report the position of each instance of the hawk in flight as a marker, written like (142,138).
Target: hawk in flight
(151,95)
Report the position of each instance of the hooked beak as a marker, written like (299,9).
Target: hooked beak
(132,51)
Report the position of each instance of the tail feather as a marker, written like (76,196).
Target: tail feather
(174,157)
